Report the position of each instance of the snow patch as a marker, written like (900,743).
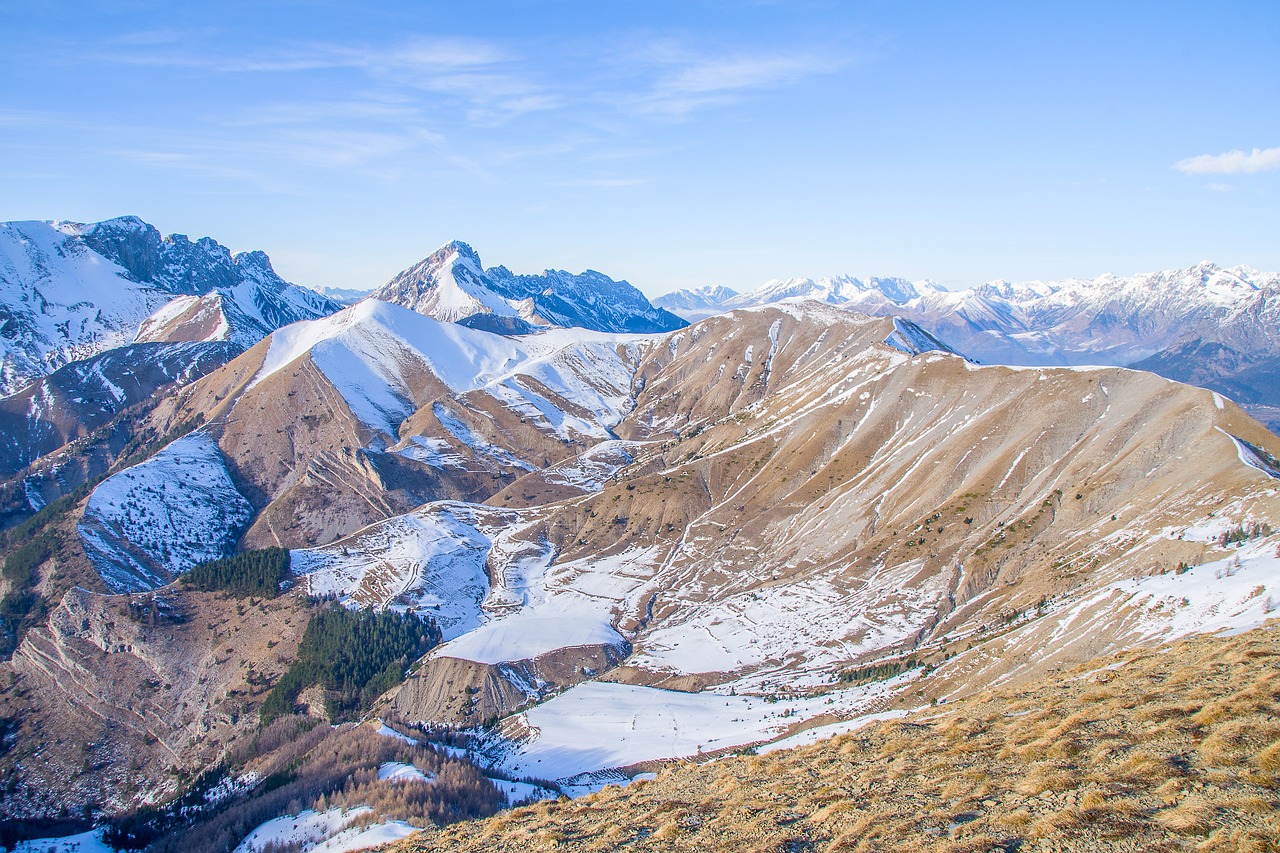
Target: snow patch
(324,832)
(395,771)
(84,842)
(149,523)
(431,561)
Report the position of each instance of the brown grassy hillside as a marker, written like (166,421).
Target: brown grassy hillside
(1161,749)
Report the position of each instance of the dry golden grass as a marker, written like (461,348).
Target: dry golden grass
(1179,752)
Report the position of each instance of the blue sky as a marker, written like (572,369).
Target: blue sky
(672,144)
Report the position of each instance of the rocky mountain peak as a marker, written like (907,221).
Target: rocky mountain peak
(452,285)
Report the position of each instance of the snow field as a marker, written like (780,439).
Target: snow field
(325,832)
(395,771)
(599,726)
(84,842)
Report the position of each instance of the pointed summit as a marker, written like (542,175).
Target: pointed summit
(452,285)
(449,285)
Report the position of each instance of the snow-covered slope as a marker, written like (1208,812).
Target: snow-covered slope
(452,285)
(375,353)
(150,523)
(71,290)
(798,490)
(336,830)
(436,561)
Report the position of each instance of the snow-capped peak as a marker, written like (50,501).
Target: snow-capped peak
(449,285)
(452,285)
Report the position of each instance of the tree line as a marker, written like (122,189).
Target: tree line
(355,656)
(251,573)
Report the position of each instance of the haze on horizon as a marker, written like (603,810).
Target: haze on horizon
(671,144)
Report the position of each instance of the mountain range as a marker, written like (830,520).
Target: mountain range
(70,291)
(635,541)
(1215,327)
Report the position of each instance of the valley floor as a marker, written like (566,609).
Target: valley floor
(1158,749)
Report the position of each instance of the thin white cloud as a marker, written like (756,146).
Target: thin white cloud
(686,80)
(412,55)
(1231,163)
(737,73)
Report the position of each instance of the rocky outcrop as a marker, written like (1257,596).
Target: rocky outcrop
(452,691)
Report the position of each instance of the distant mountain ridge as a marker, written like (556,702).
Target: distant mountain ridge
(1162,321)
(72,290)
(451,285)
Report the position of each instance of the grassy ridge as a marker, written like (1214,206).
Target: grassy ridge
(1155,750)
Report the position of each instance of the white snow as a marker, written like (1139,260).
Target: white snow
(818,733)
(161,517)
(813,619)
(598,726)
(68,302)
(431,561)
(523,792)
(387,731)
(910,338)
(1252,459)
(230,786)
(435,452)
(325,832)
(534,607)
(84,842)
(1234,594)
(592,468)
(529,634)
(374,354)
(395,771)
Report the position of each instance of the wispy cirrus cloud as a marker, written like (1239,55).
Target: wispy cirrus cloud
(1231,163)
(686,80)
(422,53)
(482,74)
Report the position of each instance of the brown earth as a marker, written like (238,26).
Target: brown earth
(110,704)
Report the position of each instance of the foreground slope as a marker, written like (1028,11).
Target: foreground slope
(1172,748)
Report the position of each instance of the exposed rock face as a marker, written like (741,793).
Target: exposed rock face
(83,395)
(454,691)
(119,695)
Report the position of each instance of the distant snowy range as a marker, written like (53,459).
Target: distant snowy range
(1206,325)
